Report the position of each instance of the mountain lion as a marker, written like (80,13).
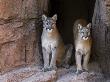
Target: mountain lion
(53,48)
(82,41)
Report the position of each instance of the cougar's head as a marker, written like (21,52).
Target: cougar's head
(49,22)
(84,32)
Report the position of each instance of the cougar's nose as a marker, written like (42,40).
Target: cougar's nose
(85,38)
(48,28)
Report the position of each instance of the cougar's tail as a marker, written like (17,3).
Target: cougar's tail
(68,55)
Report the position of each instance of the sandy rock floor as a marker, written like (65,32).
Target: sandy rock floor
(34,74)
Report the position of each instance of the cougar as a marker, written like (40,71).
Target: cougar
(82,42)
(54,51)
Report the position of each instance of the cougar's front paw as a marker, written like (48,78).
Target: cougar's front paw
(85,70)
(45,69)
(53,68)
(79,72)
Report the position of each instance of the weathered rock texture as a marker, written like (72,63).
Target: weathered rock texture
(101,34)
(19,32)
(83,77)
(34,74)
(28,74)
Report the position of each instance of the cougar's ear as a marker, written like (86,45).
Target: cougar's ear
(89,25)
(54,17)
(44,17)
(79,26)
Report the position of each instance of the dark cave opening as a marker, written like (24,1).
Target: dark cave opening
(68,11)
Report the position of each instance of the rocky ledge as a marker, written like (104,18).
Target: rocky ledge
(34,74)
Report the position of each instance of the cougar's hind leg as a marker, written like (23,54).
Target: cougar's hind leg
(78,57)
(68,55)
(46,59)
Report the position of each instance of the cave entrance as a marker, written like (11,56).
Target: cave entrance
(68,11)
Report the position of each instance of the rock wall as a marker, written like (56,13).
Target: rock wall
(19,32)
(101,34)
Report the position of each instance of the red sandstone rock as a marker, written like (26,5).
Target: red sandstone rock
(18,36)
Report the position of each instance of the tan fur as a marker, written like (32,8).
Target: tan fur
(82,47)
(53,48)
(54,35)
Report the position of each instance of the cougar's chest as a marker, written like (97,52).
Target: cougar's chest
(85,46)
(48,40)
